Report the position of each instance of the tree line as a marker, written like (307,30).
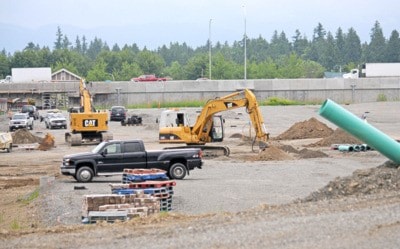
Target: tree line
(281,57)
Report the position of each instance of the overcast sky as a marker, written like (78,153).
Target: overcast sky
(153,23)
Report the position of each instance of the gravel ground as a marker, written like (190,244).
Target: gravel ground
(232,203)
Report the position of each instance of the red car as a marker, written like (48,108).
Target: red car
(148,77)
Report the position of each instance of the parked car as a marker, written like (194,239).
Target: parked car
(20,120)
(47,113)
(55,120)
(31,110)
(117,113)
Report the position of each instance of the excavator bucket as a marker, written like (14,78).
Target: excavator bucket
(47,143)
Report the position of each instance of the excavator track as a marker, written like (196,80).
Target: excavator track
(208,151)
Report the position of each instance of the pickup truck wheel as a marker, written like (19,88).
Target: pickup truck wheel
(177,171)
(84,174)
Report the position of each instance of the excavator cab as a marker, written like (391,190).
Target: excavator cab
(217,129)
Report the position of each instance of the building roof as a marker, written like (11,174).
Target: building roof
(64,75)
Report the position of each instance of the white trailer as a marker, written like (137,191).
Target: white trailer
(33,74)
(381,70)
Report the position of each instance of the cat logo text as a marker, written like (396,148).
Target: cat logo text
(90,123)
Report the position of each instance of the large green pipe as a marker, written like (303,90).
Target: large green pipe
(354,125)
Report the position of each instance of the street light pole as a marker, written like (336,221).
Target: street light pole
(118,94)
(209,48)
(245,44)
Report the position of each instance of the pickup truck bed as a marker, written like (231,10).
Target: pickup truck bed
(112,157)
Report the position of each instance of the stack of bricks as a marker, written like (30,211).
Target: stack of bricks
(151,181)
(119,207)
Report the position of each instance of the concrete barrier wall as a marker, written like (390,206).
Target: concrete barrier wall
(105,93)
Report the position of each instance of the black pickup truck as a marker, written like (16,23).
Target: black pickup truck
(112,157)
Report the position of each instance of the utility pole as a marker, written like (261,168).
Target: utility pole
(209,47)
(245,44)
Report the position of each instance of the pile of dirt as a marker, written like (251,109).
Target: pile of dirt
(23,136)
(385,177)
(288,149)
(339,136)
(273,153)
(311,128)
(306,153)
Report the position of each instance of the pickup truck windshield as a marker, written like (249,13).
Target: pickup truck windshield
(19,117)
(98,147)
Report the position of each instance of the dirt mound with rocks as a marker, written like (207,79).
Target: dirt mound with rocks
(306,153)
(303,153)
(23,136)
(273,153)
(311,128)
(339,136)
(385,177)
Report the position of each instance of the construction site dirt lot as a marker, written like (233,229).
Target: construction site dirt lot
(298,193)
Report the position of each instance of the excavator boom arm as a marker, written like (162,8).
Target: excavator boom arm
(86,99)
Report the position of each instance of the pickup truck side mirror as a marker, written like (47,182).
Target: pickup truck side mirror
(104,152)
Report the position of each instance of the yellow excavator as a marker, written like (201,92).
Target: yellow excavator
(175,127)
(86,124)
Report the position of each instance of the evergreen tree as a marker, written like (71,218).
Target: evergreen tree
(116,48)
(339,47)
(65,43)
(84,45)
(78,45)
(393,47)
(352,47)
(377,47)
(300,44)
(4,65)
(59,38)
(328,53)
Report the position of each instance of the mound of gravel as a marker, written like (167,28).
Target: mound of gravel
(311,128)
(385,177)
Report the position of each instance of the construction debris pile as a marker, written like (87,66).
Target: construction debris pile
(47,142)
(385,177)
(142,192)
(118,207)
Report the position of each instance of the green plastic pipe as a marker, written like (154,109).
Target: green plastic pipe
(354,125)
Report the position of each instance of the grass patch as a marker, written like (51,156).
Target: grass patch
(15,225)
(381,97)
(272,101)
(163,214)
(30,197)
(275,101)
(191,103)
